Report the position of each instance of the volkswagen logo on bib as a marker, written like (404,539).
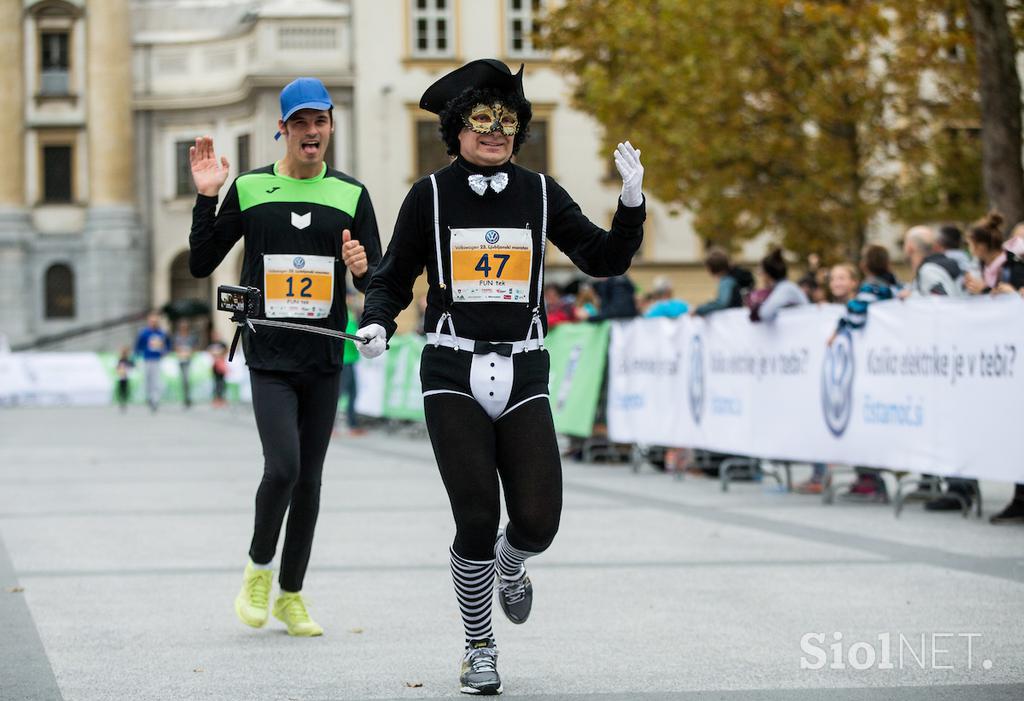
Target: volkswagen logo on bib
(837,383)
(696,379)
(299,262)
(491,237)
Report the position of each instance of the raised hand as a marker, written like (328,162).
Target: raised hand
(353,254)
(627,161)
(208,173)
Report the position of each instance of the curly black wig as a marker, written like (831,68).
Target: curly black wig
(452,115)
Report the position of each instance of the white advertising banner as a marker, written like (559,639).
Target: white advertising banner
(370,384)
(34,379)
(929,385)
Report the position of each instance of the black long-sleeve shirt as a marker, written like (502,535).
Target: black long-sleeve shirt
(520,205)
(277,214)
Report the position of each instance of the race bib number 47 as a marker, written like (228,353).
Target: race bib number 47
(299,287)
(491,265)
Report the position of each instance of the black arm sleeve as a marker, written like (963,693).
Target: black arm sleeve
(595,251)
(390,288)
(213,233)
(364,230)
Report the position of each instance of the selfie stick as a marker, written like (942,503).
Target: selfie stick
(245,321)
(307,329)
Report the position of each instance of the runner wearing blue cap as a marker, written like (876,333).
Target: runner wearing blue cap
(303,224)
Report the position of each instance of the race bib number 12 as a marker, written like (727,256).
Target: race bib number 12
(491,265)
(299,287)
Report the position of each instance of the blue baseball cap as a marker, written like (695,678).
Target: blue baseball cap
(303,94)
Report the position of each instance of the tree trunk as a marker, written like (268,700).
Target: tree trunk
(1000,108)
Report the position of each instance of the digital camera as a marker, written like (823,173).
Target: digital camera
(242,302)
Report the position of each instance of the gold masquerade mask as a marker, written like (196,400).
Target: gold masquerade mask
(484,119)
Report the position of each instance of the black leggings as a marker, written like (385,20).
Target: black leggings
(472,452)
(295,416)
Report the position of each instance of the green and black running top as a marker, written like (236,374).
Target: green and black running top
(290,219)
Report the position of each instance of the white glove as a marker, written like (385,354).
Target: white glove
(378,340)
(627,161)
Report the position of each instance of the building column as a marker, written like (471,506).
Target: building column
(109,90)
(15,227)
(116,264)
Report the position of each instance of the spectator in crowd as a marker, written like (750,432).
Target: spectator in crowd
(585,305)
(558,310)
(1002,270)
(151,345)
(617,297)
(843,280)
(124,369)
(878,285)
(664,302)
(185,341)
(776,291)
(734,283)
(1013,271)
(985,240)
(809,281)
(1014,511)
(950,242)
(934,272)
(349,378)
(219,355)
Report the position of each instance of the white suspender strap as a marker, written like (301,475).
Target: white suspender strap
(535,322)
(437,234)
(543,237)
(445,316)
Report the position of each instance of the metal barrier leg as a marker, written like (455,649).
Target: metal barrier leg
(730,464)
(636,458)
(828,495)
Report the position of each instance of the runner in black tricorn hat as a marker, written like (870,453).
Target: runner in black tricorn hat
(480,226)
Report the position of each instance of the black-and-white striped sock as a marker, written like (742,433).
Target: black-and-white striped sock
(509,559)
(474,587)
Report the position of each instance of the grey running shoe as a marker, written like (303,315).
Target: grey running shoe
(516,597)
(480,669)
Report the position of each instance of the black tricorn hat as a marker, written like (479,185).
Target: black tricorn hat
(482,73)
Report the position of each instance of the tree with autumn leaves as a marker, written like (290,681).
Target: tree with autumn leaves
(808,120)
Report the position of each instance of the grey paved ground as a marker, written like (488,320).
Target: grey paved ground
(122,540)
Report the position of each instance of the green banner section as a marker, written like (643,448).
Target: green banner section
(403,398)
(578,355)
(200,375)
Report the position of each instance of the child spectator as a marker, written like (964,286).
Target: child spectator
(124,369)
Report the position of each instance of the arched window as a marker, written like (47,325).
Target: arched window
(186,287)
(60,292)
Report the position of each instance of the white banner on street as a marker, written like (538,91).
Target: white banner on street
(370,383)
(930,385)
(40,379)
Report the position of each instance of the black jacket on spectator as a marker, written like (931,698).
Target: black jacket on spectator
(744,284)
(617,295)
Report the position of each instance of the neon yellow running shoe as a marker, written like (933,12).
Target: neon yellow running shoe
(290,609)
(253,603)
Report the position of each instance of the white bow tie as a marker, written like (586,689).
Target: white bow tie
(478,183)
